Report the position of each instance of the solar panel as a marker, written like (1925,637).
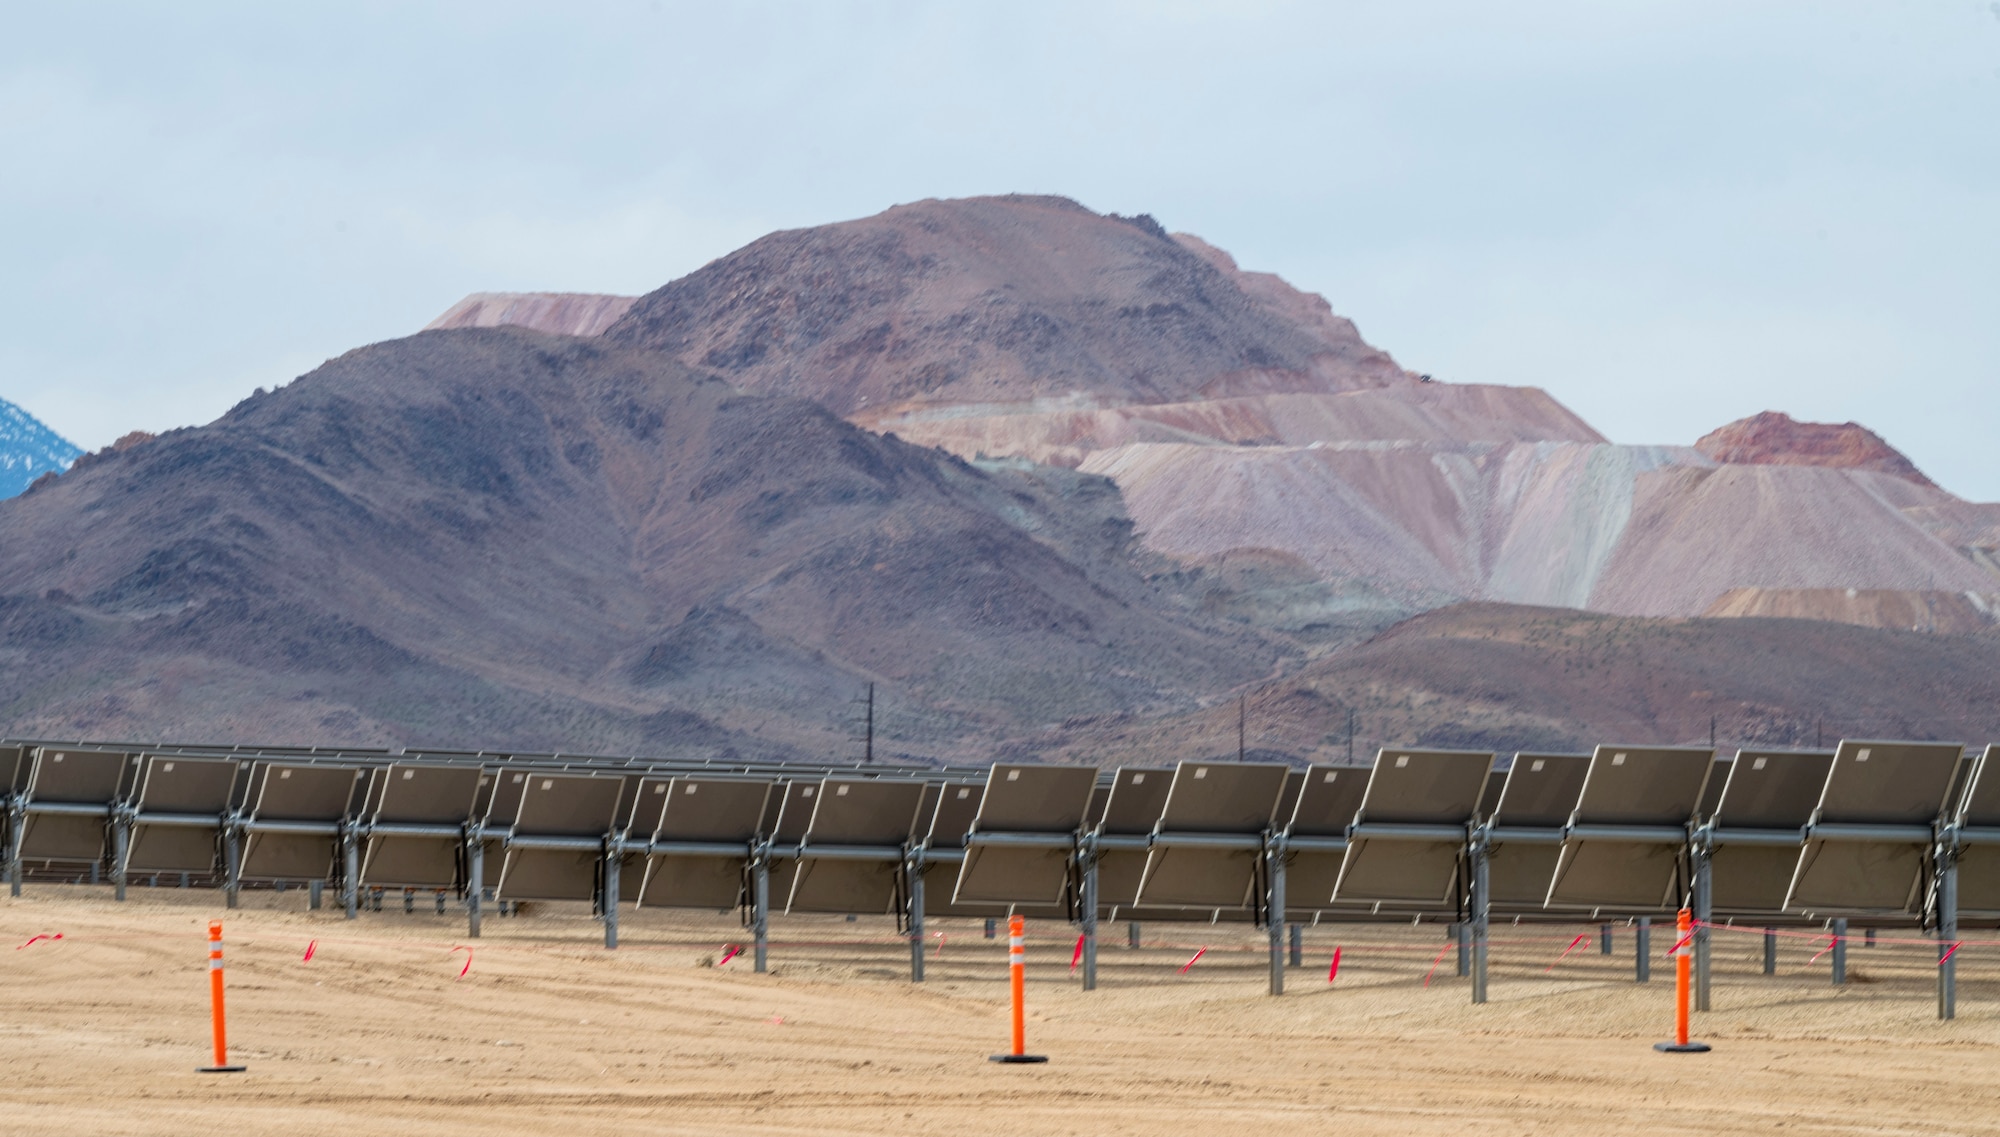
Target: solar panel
(187,797)
(696,811)
(556,847)
(957,808)
(850,816)
(1327,799)
(430,805)
(309,802)
(1187,865)
(1871,831)
(1979,860)
(1628,833)
(1048,802)
(1130,810)
(1768,791)
(1409,833)
(65,776)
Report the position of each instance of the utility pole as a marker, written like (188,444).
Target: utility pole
(868,747)
(1241,702)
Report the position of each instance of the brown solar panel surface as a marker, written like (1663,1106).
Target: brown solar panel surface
(1413,787)
(1631,785)
(1874,783)
(183,786)
(1765,789)
(1047,800)
(1540,792)
(1211,797)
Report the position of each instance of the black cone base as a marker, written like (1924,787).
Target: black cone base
(1681,1047)
(1018,1059)
(220,1069)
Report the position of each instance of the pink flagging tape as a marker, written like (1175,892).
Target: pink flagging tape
(1434,963)
(38,939)
(730,951)
(468,959)
(1333,972)
(1190,963)
(1831,943)
(310,949)
(1573,945)
(1678,944)
(1076,956)
(940,939)
(1950,951)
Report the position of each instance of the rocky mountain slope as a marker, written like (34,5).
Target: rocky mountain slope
(549,542)
(29,449)
(1776,439)
(559,313)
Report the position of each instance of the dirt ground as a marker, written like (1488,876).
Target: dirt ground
(549,1033)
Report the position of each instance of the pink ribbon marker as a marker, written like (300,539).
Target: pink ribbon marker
(731,952)
(1333,972)
(1573,945)
(468,959)
(1077,955)
(1434,963)
(310,949)
(1947,955)
(39,939)
(1831,941)
(940,939)
(1190,962)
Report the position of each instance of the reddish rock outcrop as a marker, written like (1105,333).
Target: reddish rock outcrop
(1776,439)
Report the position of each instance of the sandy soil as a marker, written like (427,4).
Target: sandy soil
(548,1033)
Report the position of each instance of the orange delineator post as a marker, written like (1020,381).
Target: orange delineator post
(1683,954)
(221,1031)
(1017,982)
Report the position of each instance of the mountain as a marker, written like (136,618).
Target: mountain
(998,299)
(29,449)
(503,538)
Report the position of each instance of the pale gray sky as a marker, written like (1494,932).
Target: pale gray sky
(1668,214)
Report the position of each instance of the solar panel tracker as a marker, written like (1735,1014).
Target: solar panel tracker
(1978,820)
(69,795)
(1130,810)
(1757,826)
(1209,837)
(293,823)
(1537,797)
(1409,833)
(702,835)
(1317,833)
(1625,842)
(1868,839)
(556,851)
(851,858)
(1023,836)
(416,825)
(177,824)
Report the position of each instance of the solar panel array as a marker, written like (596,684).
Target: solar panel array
(1882,830)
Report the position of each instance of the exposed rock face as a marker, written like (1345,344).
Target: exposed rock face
(1776,439)
(559,313)
(990,300)
(1953,613)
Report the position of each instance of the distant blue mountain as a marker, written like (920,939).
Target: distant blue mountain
(29,449)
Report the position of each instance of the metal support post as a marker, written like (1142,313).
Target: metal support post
(475,880)
(1298,946)
(990,922)
(760,906)
(1481,914)
(96,872)
(350,871)
(1839,950)
(16,817)
(1604,939)
(913,872)
(1642,950)
(1274,915)
(232,882)
(409,901)
(1947,929)
(614,862)
(1088,852)
(1131,932)
(121,840)
(1462,932)
(1704,913)
(313,890)
(1770,951)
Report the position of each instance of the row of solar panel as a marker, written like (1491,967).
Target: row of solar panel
(1853,829)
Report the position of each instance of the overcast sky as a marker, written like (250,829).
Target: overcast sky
(1669,215)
